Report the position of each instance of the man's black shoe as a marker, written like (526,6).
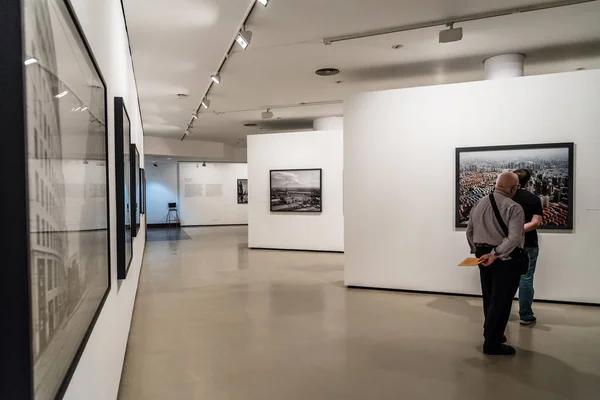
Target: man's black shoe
(501,350)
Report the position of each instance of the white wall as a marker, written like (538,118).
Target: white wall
(296,231)
(99,370)
(399,179)
(208,195)
(161,189)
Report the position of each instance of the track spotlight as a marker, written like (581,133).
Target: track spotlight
(244,38)
(267,114)
(84,109)
(451,34)
(30,61)
(216,78)
(206,103)
(62,94)
(264,2)
(194,116)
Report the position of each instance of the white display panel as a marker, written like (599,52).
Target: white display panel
(399,179)
(322,231)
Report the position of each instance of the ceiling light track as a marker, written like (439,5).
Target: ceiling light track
(282,106)
(242,36)
(458,19)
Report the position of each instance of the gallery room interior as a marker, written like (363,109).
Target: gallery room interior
(269,199)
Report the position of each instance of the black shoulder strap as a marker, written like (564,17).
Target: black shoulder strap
(498,216)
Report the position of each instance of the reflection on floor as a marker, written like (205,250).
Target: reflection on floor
(216,321)
(166,234)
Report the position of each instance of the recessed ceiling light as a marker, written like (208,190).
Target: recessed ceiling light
(182,96)
(397,46)
(30,61)
(216,78)
(327,71)
(250,125)
(338,82)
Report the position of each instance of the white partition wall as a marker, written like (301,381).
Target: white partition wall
(296,231)
(399,151)
(208,195)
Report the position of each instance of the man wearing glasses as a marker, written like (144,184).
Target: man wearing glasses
(495,235)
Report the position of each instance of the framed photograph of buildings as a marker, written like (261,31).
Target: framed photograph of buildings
(296,190)
(55,161)
(135,189)
(242,191)
(551,167)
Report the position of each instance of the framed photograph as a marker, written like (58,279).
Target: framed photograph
(242,191)
(551,167)
(124,188)
(143,191)
(55,161)
(296,190)
(135,190)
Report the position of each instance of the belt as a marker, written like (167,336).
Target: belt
(483,245)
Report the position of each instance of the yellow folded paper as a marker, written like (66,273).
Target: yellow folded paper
(469,262)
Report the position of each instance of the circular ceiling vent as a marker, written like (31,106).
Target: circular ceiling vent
(250,125)
(327,71)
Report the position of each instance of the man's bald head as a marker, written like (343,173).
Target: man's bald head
(508,182)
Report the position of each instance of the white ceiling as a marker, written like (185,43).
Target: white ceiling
(178,44)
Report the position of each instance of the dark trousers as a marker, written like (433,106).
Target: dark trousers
(499,283)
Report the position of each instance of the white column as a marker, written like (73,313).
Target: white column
(504,66)
(329,124)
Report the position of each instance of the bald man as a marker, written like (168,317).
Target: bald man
(493,239)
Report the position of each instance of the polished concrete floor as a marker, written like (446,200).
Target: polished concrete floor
(216,321)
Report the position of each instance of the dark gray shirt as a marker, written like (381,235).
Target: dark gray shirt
(483,227)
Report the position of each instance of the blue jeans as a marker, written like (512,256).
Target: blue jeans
(526,289)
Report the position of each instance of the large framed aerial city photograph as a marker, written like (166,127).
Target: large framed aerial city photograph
(551,167)
(124,188)
(296,190)
(54,124)
(242,191)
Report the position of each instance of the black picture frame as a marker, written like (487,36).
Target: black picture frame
(17,361)
(123,187)
(136,189)
(273,194)
(143,191)
(568,216)
(242,191)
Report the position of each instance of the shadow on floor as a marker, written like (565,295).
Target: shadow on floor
(165,235)
(542,372)
(458,306)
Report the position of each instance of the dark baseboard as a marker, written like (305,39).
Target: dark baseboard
(163,226)
(573,303)
(305,251)
(211,226)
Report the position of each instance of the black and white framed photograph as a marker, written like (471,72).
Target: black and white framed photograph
(124,188)
(242,191)
(55,162)
(551,167)
(135,190)
(296,190)
(143,191)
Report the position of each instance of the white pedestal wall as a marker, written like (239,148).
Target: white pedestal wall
(296,231)
(399,151)
(213,199)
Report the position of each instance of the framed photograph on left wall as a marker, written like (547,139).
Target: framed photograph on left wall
(53,110)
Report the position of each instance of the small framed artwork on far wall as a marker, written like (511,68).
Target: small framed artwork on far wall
(242,191)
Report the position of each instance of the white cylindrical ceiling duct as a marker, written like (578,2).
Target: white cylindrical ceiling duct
(329,124)
(504,66)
